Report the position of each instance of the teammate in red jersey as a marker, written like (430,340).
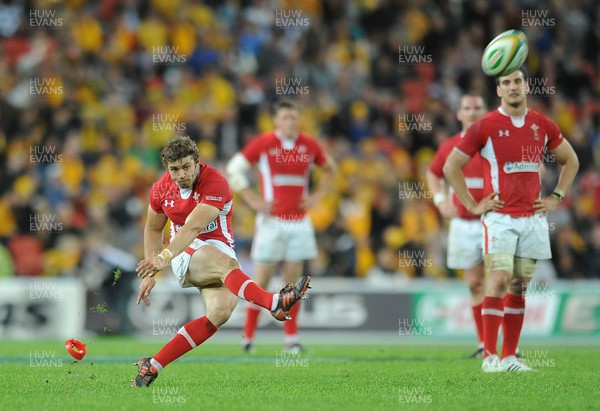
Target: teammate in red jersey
(197,200)
(512,141)
(465,231)
(284,233)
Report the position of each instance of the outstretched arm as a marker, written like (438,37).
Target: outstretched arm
(153,241)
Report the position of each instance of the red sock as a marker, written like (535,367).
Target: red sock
(514,313)
(478,322)
(241,285)
(290,327)
(492,312)
(252,313)
(189,336)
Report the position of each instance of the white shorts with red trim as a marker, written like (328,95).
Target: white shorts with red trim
(180,263)
(277,239)
(464,243)
(526,237)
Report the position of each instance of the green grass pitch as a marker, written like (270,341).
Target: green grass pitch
(216,376)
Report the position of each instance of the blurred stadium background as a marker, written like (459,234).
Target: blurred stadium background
(90,90)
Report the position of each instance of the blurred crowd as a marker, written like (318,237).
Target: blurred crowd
(91,90)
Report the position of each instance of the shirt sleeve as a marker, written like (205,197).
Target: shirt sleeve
(437,164)
(320,156)
(472,142)
(555,137)
(252,150)
(216,191)
(155,200)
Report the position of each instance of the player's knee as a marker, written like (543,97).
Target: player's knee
(226,264)
(525,267)
(476,286)
(219,315)
(498,281)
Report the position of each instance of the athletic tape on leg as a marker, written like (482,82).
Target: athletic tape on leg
(499,262)
(525,267)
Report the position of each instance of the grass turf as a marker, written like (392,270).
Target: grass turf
(41,375)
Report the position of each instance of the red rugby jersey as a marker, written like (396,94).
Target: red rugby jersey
(284,169)
(473,173)
(512,150)
(211,188)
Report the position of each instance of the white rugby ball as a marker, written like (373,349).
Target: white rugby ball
(505,53)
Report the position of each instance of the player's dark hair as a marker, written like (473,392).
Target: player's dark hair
(522,69)
(284,104)
(178,148)
(472,93)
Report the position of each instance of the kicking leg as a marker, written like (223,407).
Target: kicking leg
(219,305)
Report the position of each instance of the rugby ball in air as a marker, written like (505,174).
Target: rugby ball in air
(505,53)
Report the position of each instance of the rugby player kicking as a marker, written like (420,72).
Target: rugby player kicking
(197,200)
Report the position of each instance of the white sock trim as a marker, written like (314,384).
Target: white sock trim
(243,288)
(189,339)
(508,310)
(491,311)
(156,364)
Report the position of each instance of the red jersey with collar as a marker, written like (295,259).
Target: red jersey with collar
(284,169)
(211,188)
(512,150)
(473,173)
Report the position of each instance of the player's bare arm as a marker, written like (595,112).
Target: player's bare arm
(440,197)
(329,170)
(255,201)
(198,219)
(565,155)
(456,161)
(153,241)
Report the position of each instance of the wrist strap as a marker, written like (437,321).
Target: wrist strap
(438,198)
(167,257)
(558,195)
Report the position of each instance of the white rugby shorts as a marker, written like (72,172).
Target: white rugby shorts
(465,248)
(181,262)
(276,239)
(526,237)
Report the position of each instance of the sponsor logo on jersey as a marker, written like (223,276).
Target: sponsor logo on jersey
(210,227)
(170,203)
(521,167)
(503,133)
(213,198)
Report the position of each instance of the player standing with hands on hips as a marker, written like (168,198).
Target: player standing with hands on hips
(465,232)
(511,141)
(284,233)
(197,200)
